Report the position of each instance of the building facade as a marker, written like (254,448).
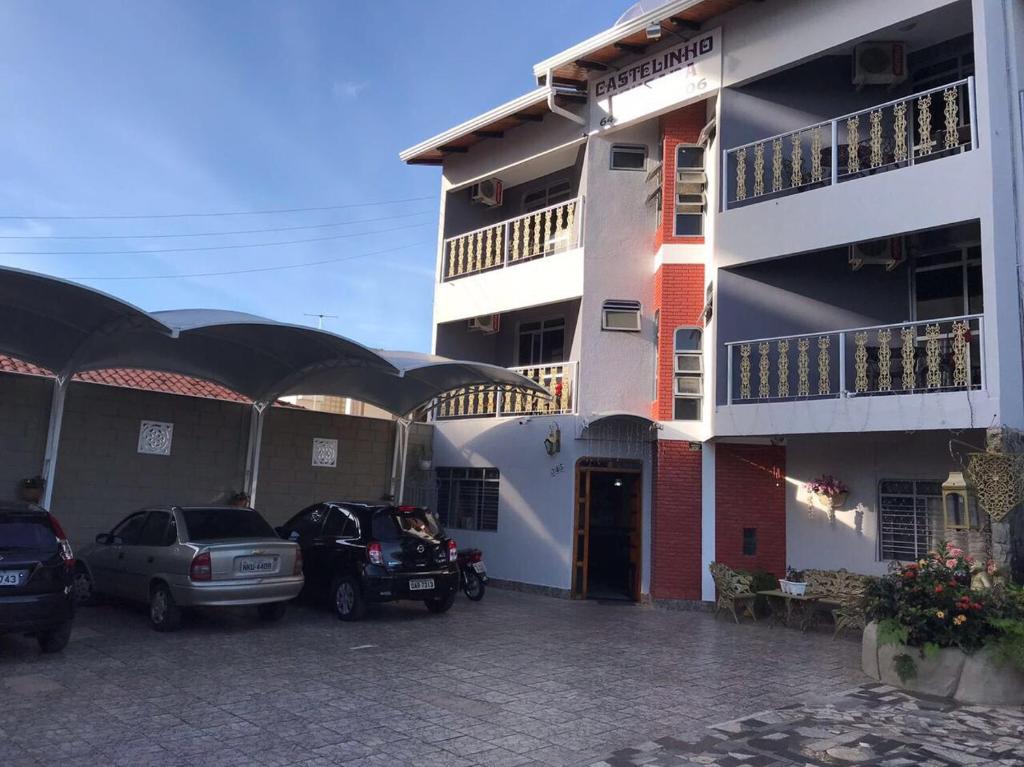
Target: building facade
(744,246)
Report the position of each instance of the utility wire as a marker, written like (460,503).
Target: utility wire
(209,215)
(202,234)
(205,248)
(258,268)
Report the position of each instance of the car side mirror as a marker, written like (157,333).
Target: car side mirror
(104,539)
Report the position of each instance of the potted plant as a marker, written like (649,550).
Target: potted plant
(30,489)
(935,631)
(793,582)
(830,492)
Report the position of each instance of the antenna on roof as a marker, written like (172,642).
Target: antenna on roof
(320,318)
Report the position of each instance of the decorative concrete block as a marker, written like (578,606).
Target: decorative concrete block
(937,675)
(983,680)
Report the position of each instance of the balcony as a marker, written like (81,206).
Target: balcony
(483,402)
(931,356)
(901,133)
(545,232)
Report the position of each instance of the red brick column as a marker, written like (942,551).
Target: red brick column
(679,299)
(676,522)
(750,492)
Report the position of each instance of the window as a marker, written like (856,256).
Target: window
(629,157)
(749,541)
(128,531)
(907,510)
(214,524)
(691,182)
(468,498)
(689,374)
(155,530)
(557,192)
(541,342)
(307,523)
(340,524)
(620,315)
(948,283)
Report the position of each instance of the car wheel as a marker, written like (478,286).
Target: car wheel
(55,639)
(348,599)
(82,587)
(272,612)
(440,604)
(164,614)
(474,587)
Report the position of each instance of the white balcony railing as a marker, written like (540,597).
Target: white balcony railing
(911,357)
(542,233)
(482,401)
(926,125)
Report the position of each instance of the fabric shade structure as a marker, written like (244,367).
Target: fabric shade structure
(69,328)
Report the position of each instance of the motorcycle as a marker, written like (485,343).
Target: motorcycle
(472,573)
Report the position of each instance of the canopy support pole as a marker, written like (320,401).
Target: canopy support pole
(252,456)
(60,391)
(404,425)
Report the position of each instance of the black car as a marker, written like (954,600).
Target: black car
(36,576)
(358,553)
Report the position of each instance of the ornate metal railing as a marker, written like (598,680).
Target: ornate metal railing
(558,379)
(550,230)
(911,357)
(926,125)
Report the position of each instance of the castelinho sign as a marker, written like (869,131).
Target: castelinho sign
(684,72)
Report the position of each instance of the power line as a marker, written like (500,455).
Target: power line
(258,268)
(202,234)
(205,248)
(209,215)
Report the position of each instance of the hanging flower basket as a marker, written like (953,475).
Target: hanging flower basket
(831,493)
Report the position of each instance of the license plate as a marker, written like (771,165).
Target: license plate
(256,565)
(421,584)
(479,567)
(12,577)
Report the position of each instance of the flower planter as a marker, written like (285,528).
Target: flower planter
(796,588)
(948,673)
(832,502)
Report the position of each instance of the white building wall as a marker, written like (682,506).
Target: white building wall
(536,504)
(861,461)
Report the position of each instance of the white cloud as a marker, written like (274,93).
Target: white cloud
(349,89)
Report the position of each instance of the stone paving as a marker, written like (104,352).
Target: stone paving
(514,680)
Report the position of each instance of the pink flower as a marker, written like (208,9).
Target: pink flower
(951,563)
(955,552)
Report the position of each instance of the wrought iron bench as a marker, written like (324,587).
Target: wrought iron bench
(735,591)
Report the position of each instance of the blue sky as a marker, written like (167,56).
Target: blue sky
(138,108)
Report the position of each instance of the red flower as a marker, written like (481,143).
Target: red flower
(976,605)
(938,588)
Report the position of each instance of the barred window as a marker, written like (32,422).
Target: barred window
(908,510)
(467,499)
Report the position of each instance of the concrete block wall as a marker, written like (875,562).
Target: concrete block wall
(101,476)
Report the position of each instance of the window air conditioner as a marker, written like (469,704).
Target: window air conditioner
(879,63)
(887,253)
(488,323)
(487,192)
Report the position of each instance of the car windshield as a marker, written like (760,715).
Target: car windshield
(417,521)
(23,533)
(215,524)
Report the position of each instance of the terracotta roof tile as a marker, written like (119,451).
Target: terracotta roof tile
(146,380)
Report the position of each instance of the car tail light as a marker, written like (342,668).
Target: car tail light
(453,550)
(201,568)
(476,556)
(297,569)
(408,508)
(63,544)
(375,553)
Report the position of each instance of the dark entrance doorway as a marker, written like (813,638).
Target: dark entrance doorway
(607,554)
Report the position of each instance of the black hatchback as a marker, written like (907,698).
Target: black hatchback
(36,576)
(356,553)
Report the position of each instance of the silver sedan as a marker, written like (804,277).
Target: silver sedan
(177,557)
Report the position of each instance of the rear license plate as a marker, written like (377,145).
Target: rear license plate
(256,565)
(12,577)
(479,567)
(421,584)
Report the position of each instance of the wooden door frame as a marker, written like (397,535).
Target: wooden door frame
(581,505)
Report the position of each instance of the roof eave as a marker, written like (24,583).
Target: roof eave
(612,35)
(507,109)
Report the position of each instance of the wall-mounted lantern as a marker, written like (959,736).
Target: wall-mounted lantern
(959,504)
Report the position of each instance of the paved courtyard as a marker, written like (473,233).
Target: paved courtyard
(514,680)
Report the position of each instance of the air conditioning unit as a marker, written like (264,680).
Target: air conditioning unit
(488,323)
(487,192)
(879,63)
(887,253)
